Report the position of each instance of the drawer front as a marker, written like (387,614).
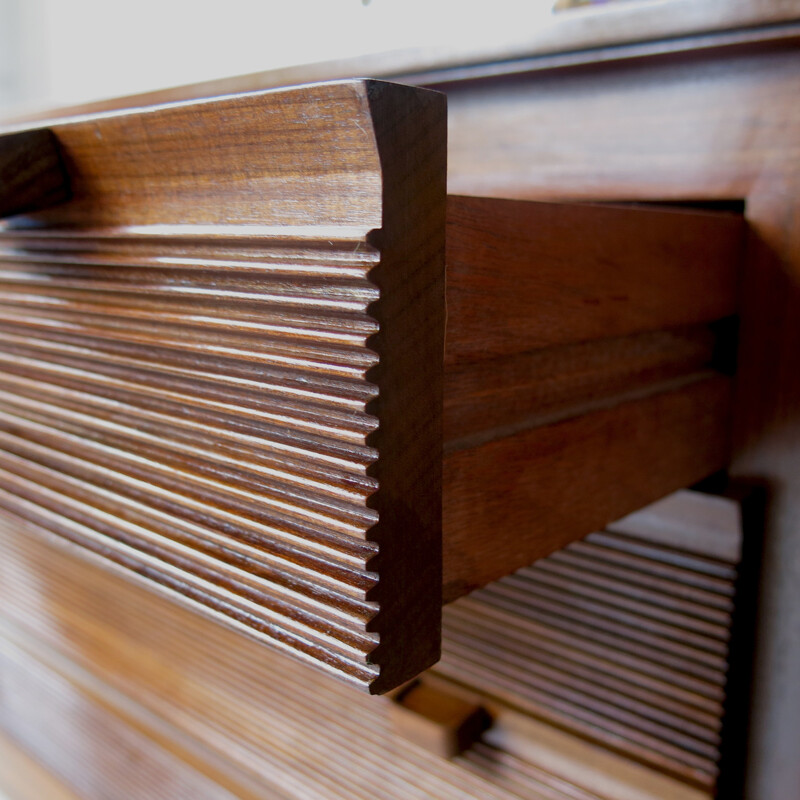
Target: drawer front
(222,361)
(225,369)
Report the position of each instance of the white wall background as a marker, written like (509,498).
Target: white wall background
(57,52)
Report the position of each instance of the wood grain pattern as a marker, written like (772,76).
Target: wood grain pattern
(494,397)
(574,476)
(620,658)
(292,732)
(708,126)
(717,124)
(32,173)
(225,715)
(563,273)
(223,365)
(143,759)
(214,385)
(519,745)
(581,339)
(75,365)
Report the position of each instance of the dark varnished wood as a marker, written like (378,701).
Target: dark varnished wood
(568,326)
(211,401)
(32,174)
(708,126)
(223,365)
(563,479)
(525,276)
(581,339)
(719,124)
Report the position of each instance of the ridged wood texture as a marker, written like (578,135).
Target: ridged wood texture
(622,637)
(222,364)
(92,668)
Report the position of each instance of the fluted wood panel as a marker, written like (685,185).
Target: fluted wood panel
(75,636)
(617,638)
(214,359)
(83,652)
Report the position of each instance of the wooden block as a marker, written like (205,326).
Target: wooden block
(32,173)
(438,721)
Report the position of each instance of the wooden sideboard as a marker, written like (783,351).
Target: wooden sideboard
(703,122)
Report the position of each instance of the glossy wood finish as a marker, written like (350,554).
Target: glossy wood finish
(525,276)
(611,639)
(710,126)
(565,479)
(581,340)
(717,123)
(32,174)
(223,361)
(122,669)
(568,325)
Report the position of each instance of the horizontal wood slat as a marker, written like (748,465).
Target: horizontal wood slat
(587,271)
(294,731)
(496,397)
(562,480)
(222,364)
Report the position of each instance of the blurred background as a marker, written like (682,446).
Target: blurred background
(55,53)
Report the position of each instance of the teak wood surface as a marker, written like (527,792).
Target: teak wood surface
(716,124)
(185,388)
(223,361)
(158,699)
(686,119)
